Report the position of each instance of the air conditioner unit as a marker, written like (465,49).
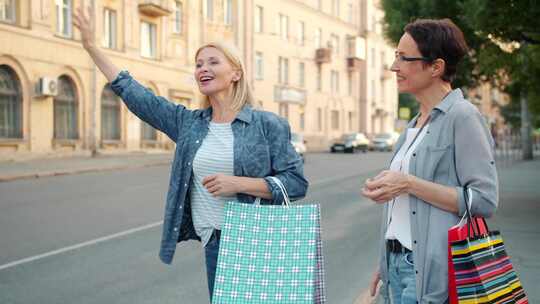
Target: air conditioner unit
(47,86)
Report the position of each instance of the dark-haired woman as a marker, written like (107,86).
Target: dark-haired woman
(443,159)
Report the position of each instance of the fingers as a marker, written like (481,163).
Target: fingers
(374,283)
(208,179)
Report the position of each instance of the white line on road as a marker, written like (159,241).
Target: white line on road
(80,245)
(130,231)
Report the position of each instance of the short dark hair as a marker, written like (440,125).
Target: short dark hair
(439,38)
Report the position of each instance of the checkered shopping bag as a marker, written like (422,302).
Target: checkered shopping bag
(270,254)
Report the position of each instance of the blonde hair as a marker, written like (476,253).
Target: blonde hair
(241,93)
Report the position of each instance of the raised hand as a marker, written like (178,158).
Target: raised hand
(85,24)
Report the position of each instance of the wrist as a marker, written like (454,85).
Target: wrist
(408,183)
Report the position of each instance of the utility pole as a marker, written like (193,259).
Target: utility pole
(526,140)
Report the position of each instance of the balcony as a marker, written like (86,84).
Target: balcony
(323,55)
(154,8)
(354,64)
(289,95)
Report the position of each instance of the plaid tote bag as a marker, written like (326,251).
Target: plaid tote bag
(270,254)
(480,271)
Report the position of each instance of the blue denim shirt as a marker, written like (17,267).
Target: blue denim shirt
(262,148)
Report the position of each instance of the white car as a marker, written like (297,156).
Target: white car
(384,141)
(299,144)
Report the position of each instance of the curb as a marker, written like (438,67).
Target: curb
(9,178)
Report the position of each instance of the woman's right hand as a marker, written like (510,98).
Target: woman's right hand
(85,24)
(375,279)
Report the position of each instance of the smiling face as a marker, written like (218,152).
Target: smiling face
(214,73)
(412,76)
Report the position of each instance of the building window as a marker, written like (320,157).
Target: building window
(109,28)
(66,110)
(284,110)
(319,4)
(319,119)
(373,90)
(7,11)
(301,32)
(283,26)
(283,71)
(110,115)
(334,40)
(259,17)
(350,13)
(335,120)
(148,40)
(10,104)
(318,38)
(301,74)
(63,17)
(227,12)
(209,9)
(259,66)
(351,115)
(350,85)
(373,59)
(319,78)
(334,82)
(302,121)
(335,7)
(178,17)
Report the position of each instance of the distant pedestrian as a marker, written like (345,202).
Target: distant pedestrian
(226,151)
(445,153)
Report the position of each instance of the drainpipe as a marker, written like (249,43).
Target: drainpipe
(93,95)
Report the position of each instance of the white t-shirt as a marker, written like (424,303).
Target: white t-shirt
(216,155)
(399,221)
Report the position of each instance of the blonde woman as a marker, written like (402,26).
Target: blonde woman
(225,151)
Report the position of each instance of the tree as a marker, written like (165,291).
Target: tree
(504,38)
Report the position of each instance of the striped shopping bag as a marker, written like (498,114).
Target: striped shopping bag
(480,271)
(270,254)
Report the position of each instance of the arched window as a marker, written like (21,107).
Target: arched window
(66,110)
(148,133)
(110,115)
(10,104)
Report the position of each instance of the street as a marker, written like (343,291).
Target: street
(94,237)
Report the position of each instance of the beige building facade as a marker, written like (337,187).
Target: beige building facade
(321,64)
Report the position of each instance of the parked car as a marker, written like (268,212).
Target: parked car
(384,141)
(350,143)
(299,144)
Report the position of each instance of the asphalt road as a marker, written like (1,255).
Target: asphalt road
(94,237)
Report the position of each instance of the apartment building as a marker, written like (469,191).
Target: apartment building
(321,64)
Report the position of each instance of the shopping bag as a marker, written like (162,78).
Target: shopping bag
(479,270)
(270,254)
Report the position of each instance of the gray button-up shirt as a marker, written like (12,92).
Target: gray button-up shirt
(262,148)
(458,152)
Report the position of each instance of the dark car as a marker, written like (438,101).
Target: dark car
(350,143)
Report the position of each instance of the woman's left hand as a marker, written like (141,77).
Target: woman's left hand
(385,186)
(221,185)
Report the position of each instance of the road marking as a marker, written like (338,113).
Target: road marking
(80,245)
(134,230)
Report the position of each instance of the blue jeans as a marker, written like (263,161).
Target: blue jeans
(402,278)
(211,254)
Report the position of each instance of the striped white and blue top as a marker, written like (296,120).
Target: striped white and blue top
(215,156)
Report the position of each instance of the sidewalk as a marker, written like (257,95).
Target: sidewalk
(14,170)
(517,218)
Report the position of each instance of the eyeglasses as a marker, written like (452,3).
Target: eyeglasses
(401,58)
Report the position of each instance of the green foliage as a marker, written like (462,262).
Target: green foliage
(495,31)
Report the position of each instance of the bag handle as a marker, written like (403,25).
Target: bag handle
(286,199)
(472,225)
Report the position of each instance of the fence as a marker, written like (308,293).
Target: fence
(508,148)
